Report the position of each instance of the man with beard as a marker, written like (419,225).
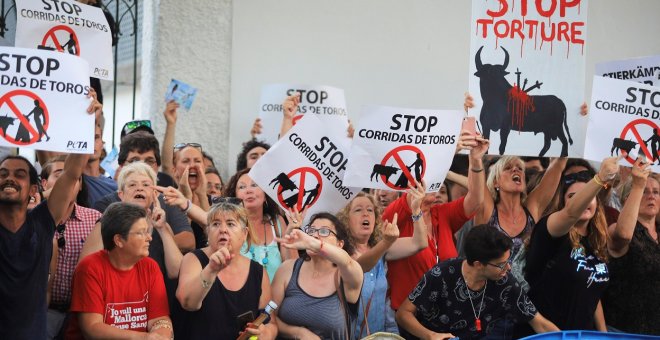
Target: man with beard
(26,243)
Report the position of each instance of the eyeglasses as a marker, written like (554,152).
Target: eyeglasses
(184,145)
(323,231)
(583,176)
(131,126)
(501,266)
(143,233)
(651,193)
(227,200)
(61,241)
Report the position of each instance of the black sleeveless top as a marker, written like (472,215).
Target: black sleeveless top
(632,301)
(217,319)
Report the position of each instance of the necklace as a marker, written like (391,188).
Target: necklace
(477,321)
(514,218)
(265,259)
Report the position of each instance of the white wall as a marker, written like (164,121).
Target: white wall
(398,53)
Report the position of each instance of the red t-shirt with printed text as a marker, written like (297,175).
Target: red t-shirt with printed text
(125,299)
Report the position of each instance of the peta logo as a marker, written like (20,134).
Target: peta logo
(76,145)
(101,72)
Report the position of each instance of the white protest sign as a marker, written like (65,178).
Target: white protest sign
(305,168)
(643,70)
(327,102)
(623,120)
(527,75)
(43,101)
(69,27)
(394,146)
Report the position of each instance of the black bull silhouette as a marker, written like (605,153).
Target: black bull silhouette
(546,115)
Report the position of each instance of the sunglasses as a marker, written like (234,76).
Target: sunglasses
(323,231)
(184,145)
(227,200)
(582,176)
(61,241)
(135,124)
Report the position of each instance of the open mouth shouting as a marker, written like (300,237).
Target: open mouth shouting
(516,179)
(366,224)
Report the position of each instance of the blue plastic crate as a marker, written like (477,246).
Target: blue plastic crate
(589,335)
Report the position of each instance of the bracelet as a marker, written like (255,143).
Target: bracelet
(476,170)
(205,284)
(188,207)
(417,217)
(600,182)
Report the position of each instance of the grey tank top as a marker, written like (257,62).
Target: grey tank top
(518,249)
(321,315)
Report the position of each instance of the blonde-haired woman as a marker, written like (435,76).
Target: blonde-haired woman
(509,209)
(217,285)
(567,256)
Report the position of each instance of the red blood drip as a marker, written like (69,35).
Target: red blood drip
(519,104)
(477,323)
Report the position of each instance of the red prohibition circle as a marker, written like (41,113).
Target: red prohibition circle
(51,35)
(632,127)
(302,173)
(7,99)
(395,153)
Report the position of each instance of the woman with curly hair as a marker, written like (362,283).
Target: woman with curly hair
(568,253)
(250,153)
(376,242)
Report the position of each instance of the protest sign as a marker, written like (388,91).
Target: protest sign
(325,101)
(69,27)
(43,96)
(643,70)
(394,146)
(623,120)
(181,93)
(305,168)
(527,75)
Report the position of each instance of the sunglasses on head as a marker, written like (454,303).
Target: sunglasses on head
(184,145)
(227,200)
(133,125)
(61,241)
(582,176)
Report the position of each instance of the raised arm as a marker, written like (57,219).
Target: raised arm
(349,270)
(63,192)
(289,109)
(172,253)
(560,222)
(478,147)
(622,231)
(542,195)
(407,246)
(167,149)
